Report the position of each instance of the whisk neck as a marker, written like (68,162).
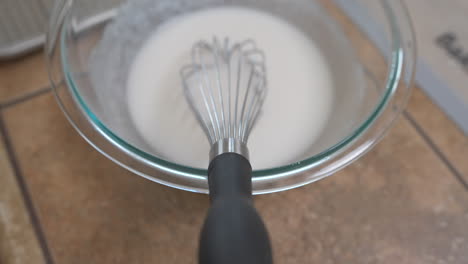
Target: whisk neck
(229,145)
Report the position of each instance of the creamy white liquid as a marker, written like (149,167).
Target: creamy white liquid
(300,92)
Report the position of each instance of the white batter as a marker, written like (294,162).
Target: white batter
(295,112)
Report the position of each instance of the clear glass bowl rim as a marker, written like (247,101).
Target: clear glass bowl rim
(393,79)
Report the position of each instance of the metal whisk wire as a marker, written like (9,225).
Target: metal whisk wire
(226,86)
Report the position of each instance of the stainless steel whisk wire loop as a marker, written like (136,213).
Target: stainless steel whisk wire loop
(231,100)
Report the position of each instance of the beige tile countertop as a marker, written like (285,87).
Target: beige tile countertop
(61,202)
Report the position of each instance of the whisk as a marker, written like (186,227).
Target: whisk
(225,86)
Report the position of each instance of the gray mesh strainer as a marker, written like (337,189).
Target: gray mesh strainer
(23,23)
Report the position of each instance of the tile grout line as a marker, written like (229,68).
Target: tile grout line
(26,97)
(455,172)
(25,193)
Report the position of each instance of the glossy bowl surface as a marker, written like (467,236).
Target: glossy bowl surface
(383,45)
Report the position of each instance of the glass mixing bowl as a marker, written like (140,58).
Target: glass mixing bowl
(91,44)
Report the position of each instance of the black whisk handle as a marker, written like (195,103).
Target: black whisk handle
(233,232)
